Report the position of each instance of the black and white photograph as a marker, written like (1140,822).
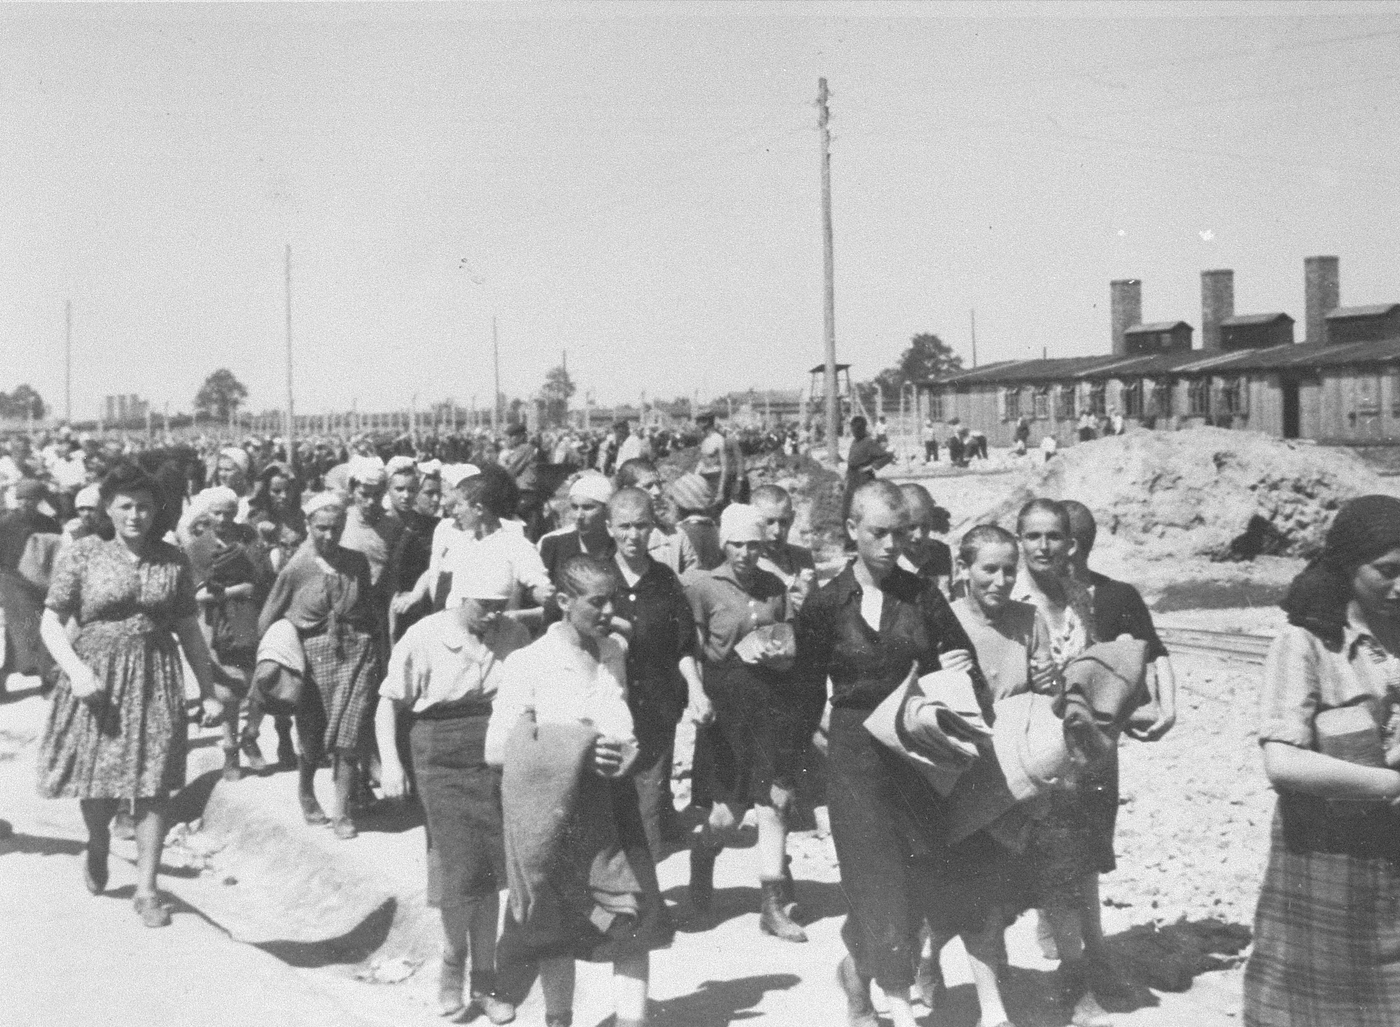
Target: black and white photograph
(647,513)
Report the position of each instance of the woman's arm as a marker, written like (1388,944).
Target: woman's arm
(279,599)
(81,680)
(1291,769)
(698,706)
(197,652)
(392,781)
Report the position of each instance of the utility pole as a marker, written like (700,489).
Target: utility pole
(974,336)
(291,423)
(829,273)
(496,360)
(68,362)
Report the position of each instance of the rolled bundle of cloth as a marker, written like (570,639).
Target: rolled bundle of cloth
(281,668)
(572,885)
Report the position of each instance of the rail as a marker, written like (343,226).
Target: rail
(1224,644)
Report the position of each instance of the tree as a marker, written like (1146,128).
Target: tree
(927,357)
(220,395)
(558,387)
(22,404)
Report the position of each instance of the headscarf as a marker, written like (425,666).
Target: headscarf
(237,455)
(400,464)
(323,501)
(741,522)
(692,492)
(88,496)
(367,470)
(454,474)
(1364,530)
(591,487)
(207,499)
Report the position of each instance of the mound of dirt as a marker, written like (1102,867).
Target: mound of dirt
(1203,492)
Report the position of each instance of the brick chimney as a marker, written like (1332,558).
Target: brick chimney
(1125,310)
(1322,291)
(1217,303)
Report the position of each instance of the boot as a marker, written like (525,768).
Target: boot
(702,878)
(860,1011)
(232,771)
(451,977)
(773,920)
(1076,993)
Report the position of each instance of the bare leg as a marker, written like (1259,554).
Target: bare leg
(772,842)
(630,977)
(150,839)
(901,1012)
(983,956)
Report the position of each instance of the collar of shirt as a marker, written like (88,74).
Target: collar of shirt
(899,583)
(1356,632)
(761,589)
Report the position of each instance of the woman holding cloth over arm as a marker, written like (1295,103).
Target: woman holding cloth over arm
(1325,932)
(442,678)
(870,630)
(116,730)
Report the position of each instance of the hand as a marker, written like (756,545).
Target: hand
(956,659)
(1159,726)
(84,684)
(402,603)
(1043,677)
(700,711)
(212,712)
(607,756)
(393,782)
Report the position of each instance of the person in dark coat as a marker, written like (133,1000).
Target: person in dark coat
(22,599)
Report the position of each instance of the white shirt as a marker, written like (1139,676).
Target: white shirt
(437,661)
(509,547)
(561,684)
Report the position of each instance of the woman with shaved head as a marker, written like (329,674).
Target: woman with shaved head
(869,630)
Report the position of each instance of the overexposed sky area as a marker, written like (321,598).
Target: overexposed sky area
(638,184)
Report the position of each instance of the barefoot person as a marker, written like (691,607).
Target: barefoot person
(442,678)
(868,630)
(563,734)
(1325,929)
(116,732)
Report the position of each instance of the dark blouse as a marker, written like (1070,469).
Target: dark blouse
(1119,610)
(663,631)
(312,599)
(916,626)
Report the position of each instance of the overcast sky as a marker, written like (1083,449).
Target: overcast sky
(639,185)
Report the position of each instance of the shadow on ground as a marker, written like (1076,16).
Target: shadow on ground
(817,901)
(722,1002)
(352,947)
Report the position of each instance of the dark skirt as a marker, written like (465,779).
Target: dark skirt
(23,604)
(758,738)
(889,826)
(1327,928)
(461,797)
(1075,837)
(342,681)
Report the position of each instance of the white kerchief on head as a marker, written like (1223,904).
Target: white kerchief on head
(322,501)
(237,455)
(741,522)
(590,486)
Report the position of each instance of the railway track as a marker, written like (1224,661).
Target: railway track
(1224,644)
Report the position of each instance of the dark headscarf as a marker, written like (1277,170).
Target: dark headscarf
(1364,530)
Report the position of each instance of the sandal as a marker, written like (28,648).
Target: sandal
(312,812)
(344,828)
(151,910)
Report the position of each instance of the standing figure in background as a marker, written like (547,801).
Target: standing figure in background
(22,590)
(521,460)
(925,555)
(695,502)
(274,509)
(863,461)
(713,464)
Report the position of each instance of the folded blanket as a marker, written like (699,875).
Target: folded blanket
(569,876)
(281,645)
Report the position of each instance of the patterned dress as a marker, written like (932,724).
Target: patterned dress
(129,742)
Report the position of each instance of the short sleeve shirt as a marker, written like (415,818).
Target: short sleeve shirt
(439,662)
(1302,678)
(725,612)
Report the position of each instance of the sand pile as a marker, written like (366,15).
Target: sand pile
(1204,492)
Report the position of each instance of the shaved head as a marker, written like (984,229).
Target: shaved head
(1082,527)
(880,494)
(629,501)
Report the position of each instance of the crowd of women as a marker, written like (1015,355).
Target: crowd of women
(958,714)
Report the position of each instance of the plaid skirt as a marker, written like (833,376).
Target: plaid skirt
(342,681)
(1327,929)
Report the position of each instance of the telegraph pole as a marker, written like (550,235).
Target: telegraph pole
(829,272)
(68,362)
(291,423)
(974,336)
(496,360)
